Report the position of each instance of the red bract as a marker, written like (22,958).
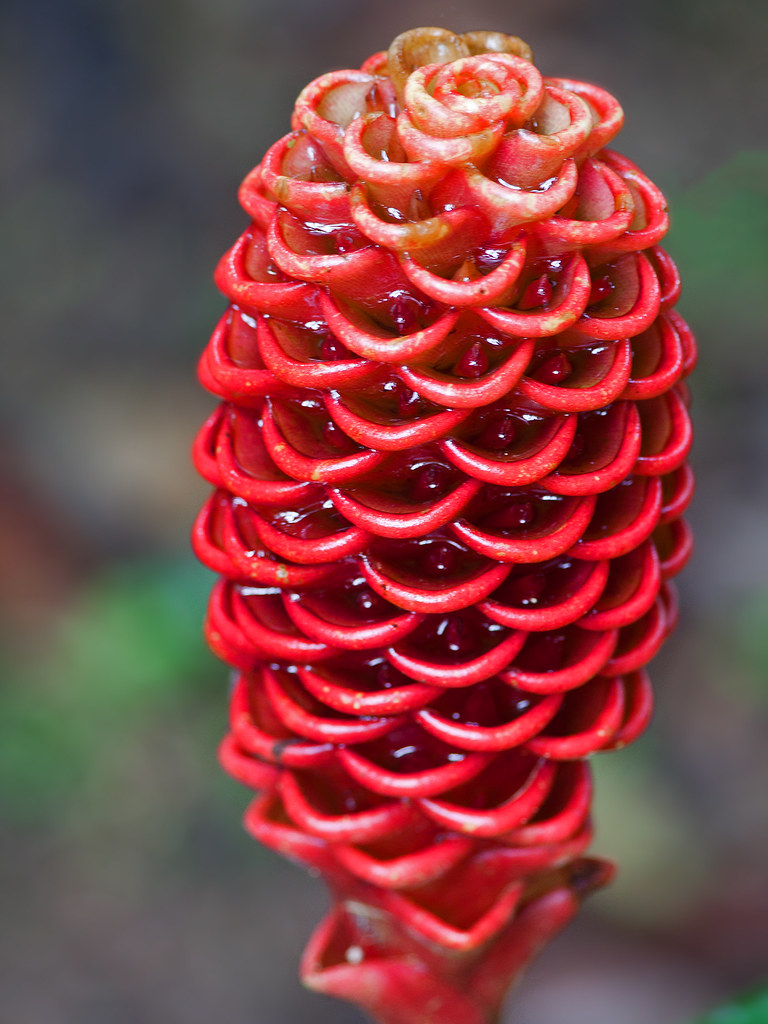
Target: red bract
(450,469)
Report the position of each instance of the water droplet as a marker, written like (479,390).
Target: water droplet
(473,363)
(408,402)
(348,240)
(332,349)
(405,310)
(498,434)
(525,591)
(515,515)
(554,370)
(538,293)
(333,435)
(430,483)
(365,600)
(440,558)
(602,287)
(489,259)
(457,638)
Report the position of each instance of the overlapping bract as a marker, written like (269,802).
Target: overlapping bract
(449,469)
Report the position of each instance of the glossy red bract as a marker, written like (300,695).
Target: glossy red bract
(450,468)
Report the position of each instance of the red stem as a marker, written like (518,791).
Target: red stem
(367,956)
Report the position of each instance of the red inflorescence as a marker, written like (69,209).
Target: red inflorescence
(450,468)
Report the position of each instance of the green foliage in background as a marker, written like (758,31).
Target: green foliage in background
(751,641)
(719,237)
(128,656)
(751,1009)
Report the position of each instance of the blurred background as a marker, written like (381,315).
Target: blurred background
(129,892)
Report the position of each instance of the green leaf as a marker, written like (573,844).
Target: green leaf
(719,237)
(750,627)
(129,658)
(750,1009)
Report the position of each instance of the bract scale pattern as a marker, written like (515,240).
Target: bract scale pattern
(449,467)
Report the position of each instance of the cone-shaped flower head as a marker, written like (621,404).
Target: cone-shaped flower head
(450,467)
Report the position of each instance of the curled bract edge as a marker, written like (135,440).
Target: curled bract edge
(449,471)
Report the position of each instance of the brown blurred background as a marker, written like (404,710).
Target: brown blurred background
(129,892)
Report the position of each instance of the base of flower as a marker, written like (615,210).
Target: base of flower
(362,953)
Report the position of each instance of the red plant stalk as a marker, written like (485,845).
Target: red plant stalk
(450,468)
